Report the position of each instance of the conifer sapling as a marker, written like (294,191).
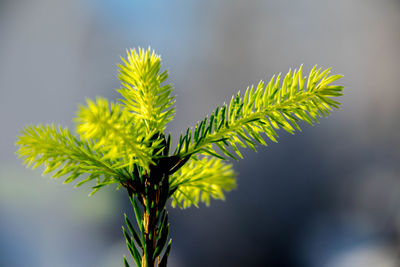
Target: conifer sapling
(124,143)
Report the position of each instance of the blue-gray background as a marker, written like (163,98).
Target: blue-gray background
(326,197)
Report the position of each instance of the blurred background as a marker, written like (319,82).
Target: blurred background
(328,196)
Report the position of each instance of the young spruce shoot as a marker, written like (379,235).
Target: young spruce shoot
(124,143)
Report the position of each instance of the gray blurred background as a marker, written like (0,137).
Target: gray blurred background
(326,197)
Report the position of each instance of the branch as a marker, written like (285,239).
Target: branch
(58,150)
(201,179)
(261,111)
(116,132)
(143,90)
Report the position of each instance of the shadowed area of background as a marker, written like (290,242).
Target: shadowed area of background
(328,196)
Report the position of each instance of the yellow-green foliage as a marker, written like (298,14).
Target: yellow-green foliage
(60,151)
(120,142)
(262,110)
(143,89)
(201,179)
(116,132)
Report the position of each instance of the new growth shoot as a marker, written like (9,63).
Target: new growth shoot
(124,143)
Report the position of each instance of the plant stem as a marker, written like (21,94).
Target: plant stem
(150,229)
(152,190)
(153,221)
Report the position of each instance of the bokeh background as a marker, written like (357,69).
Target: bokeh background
(326,197)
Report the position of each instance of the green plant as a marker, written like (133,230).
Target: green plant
(124,143)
